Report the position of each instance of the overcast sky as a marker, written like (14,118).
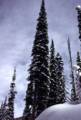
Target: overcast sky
(17,31)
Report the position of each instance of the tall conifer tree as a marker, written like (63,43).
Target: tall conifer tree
(78,8)
(60,81)
(52,95)
(78,78)
(11,98)
(38,88)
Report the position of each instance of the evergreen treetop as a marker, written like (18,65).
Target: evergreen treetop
(11,98)
(38,88)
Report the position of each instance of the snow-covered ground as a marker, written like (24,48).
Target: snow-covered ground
(61,112)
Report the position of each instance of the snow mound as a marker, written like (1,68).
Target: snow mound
(61,112)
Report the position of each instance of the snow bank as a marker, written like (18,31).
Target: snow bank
(61,112)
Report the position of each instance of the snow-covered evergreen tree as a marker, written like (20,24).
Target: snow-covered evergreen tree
(10,110)
(78,59)
(60,84)
(38,88)
(52,94)
(78,77)
(3,110)
(78,8)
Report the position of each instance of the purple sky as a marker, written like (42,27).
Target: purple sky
(17,31)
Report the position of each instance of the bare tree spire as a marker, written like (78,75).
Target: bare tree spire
(73,90)
(43,3)
(14,75)
(70,56)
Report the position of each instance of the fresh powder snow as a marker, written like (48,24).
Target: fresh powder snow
(61,112)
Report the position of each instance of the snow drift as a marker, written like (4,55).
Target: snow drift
(61,112)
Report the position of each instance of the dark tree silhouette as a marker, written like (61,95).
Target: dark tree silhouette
(53,75)
(11,98)
(60,81)
(38,88)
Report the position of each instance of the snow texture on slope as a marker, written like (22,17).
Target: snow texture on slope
(61,112)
